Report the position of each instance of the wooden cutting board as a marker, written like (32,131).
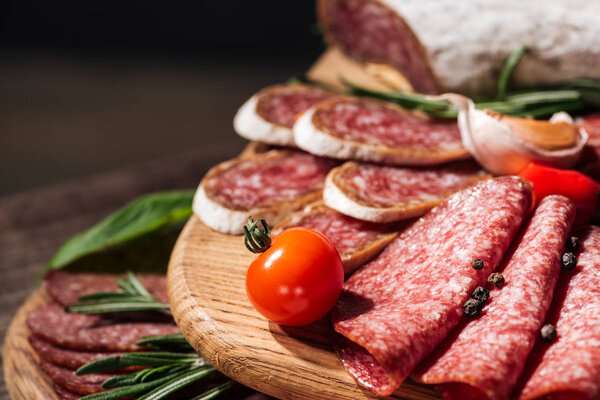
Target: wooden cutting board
(206,281)
(22,374)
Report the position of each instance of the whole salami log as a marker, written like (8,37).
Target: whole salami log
(271,185)
(375,131)
(91,332)
(269,115)
(569,367)
(483,357)
(66,288)
(396,309)
(66,378)
(357,241)
(384,194)
(68,358)
(444,46)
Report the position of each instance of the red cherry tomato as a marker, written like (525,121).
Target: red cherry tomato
(582,190)
(298,279)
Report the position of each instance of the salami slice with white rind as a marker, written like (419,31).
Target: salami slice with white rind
(271,185)
(400,306)
(269,115)
(461,47)
(569,367)
(384,194)
(91,332)
(483,357)
(351,128)
(357,241)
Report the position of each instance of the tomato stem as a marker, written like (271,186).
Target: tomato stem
(257,240)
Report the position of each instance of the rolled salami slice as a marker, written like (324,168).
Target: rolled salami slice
(67,358)
(383,194)
(66,288)
(569,367)
(94,333)
(442,46)
(269,115)
(397,308)
(67,379)
(483,357)
(356,241)
(375,131)
(271,185)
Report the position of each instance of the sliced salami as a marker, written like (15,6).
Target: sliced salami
(357,241)
(569,367)
(65,394)
(375,131)
(67,379)
(483,357)
(67,358)
(271,185)
(66,288)
(94,333)
(269,115)
(384,194)
(443,46)
(398,307)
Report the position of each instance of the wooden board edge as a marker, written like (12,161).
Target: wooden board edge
(23,376)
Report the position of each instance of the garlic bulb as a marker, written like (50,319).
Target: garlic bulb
(504,144)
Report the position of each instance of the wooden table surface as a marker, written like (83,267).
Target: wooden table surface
(33,224)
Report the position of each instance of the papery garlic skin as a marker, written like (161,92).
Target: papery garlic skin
(498,149)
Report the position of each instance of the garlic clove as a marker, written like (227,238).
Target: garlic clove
(504,144)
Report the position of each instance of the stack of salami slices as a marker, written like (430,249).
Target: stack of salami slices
(353,168)
(65,341)
(451,274)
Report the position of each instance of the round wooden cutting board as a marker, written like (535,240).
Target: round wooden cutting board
(22,374)
(207,293)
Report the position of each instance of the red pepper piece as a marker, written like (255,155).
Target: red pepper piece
(582,190)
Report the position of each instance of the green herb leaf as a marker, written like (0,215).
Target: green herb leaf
(214,392)
(172,342)
(139,359)
(144,215)
(177,383)
(125,391)
(508,69)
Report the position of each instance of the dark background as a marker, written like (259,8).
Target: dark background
(91,86)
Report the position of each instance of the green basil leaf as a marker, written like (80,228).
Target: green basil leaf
(142,216)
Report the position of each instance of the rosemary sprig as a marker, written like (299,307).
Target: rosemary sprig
(508,69)
(134,297)
(577,95)
(171,367)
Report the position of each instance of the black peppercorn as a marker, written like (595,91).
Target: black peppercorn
(572,244)
(569,261)
(480,294)
(548,333)
(472,308)
(496,279)
(477,264)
